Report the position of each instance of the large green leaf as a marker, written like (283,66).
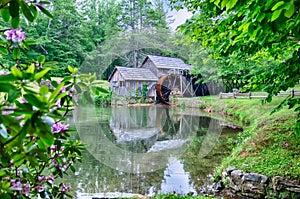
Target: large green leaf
(14,8)
(289,12)
(3,50)
(16,72)
(276,14)
(16,53)
(278,5)
(34,100)
(8,78)
(46,12)
(15,22)
(5,14)
(26,11)
(40,74)
(4,87)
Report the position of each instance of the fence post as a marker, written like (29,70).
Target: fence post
(249,94)
(292,93)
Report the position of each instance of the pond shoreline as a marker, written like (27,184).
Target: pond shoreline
(267,180)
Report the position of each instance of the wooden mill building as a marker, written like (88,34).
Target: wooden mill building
(125,80)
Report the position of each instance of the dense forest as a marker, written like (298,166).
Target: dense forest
(256,51)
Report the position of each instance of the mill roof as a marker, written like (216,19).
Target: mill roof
(142,74)
(168,62)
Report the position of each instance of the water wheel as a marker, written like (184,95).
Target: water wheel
(168,85)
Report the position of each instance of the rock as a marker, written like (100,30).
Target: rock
(282,184)
(229,170)
(255,185)
(255,177)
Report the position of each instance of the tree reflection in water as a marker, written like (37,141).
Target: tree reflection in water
(146,150)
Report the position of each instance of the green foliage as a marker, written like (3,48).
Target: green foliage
(144,92)
(265,33)
(35,144)
(268,145)
(137,96)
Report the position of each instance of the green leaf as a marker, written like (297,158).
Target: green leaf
(41,145)
(18,159)
(30,69)
(46,12)
(2,173)
(34,11)
(33,100)
(14,8)
(15,22)
(39,75)
(26,11)
(16,72)
(4,87)
(29,42)
(23,132)
(72,169)
(275,15)
(277,5)
(3,50)
(5,14)
(289,13)
(5,195)
(56,92)
(70,69)
(102,90)
(47,138)
(44,90)
(7,78)
(13,95)
(231,3)
(41,59)
(16,53)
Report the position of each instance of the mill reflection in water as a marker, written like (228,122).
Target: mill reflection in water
(147,150)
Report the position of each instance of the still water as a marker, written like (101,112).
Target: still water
(147,150)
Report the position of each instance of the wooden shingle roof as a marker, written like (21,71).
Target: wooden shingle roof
(168,62)
(142,74)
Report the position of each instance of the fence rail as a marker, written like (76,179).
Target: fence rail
(251,95)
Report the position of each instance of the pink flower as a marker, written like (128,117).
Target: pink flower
(4,72)
(58,127)
(15,35)
(65,188)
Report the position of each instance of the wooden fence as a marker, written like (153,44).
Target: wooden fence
(251,95)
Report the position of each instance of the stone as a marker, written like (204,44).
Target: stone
(280,184)
(229,170)
(255,177)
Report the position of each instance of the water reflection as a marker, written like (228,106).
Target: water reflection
(146,150)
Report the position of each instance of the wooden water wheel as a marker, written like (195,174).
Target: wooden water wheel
(167,85)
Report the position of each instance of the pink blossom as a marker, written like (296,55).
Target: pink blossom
(58,127)
(65,188)
(15,35)
(4,72)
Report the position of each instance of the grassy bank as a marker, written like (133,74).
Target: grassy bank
(268,144)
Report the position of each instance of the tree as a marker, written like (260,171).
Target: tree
(35,148)
(258,29)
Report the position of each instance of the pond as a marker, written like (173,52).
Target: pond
(147,150)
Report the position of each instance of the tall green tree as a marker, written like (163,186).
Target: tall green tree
(255,28)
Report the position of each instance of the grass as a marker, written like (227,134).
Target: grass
(268,144)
